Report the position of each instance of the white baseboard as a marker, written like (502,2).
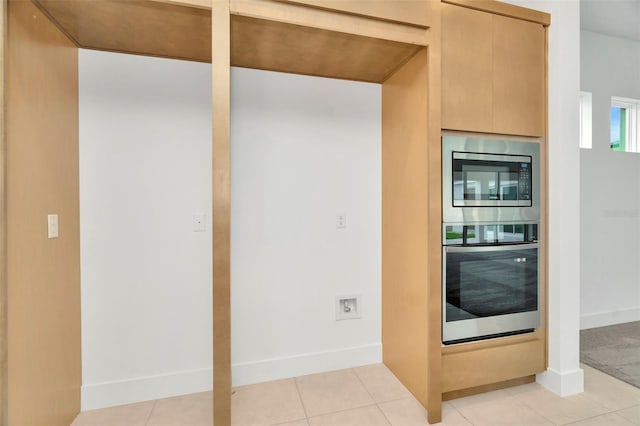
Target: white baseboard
(109,394)
(563,384)
(602,319)
(300,365)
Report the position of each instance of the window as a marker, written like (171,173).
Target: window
(585,120)
(624,124)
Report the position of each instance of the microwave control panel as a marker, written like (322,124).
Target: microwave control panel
(524,182)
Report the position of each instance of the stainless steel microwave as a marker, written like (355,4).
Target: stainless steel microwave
(490,179)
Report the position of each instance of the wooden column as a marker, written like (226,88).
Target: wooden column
(3,222)
(410,267)
(220,79)
(434,211)
(42,178)
(411,223)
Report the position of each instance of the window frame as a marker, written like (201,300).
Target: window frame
(586,120)
(632,107)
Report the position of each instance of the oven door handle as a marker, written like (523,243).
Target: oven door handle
(457,155)
(501,247)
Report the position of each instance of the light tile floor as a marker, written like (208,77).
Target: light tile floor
(372,396)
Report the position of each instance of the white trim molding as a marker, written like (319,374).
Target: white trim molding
(602,319)
(562,383)
(303,364)
(109,394)
(586,120)
(138,389)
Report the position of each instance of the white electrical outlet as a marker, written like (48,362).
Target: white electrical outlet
(341,220)
(348,307)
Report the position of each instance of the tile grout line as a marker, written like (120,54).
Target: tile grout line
(370,395)
(599,415)
(409,397)
(153,407)
(622,409)
(304,408)
(290,421)
(468,420)
(398,399)
(592,402)
(610,410)
(384,415)
(532,408)
(342,411)
(355,373)
(373,402)
(506,396)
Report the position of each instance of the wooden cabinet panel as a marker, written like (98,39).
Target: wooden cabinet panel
(519,91)
(466,69)
(493,73)
(492,364)
(413,12)
(405,256)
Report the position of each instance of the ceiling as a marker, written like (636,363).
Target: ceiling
(620,18)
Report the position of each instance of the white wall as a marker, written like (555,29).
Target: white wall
(145,149)
(610,199)
(564,375)
(303,150)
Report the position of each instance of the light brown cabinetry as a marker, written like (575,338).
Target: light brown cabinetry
(494,81)
(412,12)
(394,43)
(493,73)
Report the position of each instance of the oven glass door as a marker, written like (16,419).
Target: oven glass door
(489,290)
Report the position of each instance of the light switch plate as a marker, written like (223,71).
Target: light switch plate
(199,222)
(52,226)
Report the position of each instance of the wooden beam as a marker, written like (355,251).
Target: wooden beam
(168,30)
(505,9)
(277,46)
(200,4)
(411,12)
(292,13)
(220,81)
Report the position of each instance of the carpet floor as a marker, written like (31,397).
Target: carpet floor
(614,349)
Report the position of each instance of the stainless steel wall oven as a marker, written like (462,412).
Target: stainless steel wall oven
(490,282)
(490,254)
